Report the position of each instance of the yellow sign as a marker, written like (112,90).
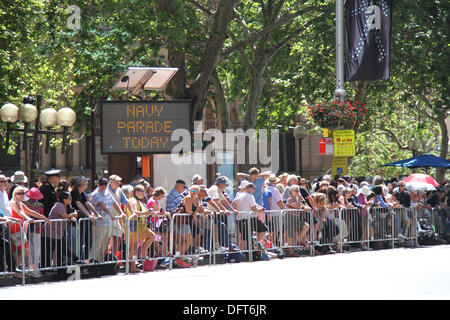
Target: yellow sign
(344,143)
(339,166)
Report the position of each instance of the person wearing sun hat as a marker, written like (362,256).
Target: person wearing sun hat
(18,179)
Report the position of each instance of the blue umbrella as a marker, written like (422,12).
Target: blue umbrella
(422,161)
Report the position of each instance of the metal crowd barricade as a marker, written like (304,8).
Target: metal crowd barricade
(189,236)
(411,232)
(350,226)
(244,232)
(11,239)
(139,231)
(106,244)
(298,228)
(58,244)
(437,220)
(223,233)
(381,224)
(328,232)
(274,222)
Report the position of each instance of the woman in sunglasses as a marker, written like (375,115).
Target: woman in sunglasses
(22,212)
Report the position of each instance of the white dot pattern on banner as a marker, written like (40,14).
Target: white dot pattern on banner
(362,40)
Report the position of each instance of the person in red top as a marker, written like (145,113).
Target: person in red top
(22,212)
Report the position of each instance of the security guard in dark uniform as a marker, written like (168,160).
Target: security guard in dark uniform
(48,190)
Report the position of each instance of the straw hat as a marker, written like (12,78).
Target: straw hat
(273,179)
(19,177)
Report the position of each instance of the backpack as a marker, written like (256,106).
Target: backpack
(234,257)
(428,235)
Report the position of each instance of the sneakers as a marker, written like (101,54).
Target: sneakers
(221,250)
(200,250)
(181,263)
(34,274)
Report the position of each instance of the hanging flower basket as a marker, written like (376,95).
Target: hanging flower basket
(338,115)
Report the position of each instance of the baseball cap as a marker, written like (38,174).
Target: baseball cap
(181,182)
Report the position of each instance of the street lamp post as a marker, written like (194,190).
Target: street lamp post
(340,93)
(46,118)
(300,132)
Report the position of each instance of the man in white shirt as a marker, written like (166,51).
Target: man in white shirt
(7,262)
(273,219)
(245,203)
(216,194)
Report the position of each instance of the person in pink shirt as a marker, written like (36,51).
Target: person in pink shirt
(161,224)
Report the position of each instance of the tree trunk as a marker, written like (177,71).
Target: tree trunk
(440,172)
(211,54)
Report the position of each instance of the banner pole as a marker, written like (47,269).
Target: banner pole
(340,93)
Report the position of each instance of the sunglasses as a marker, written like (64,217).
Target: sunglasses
(102,184)
(20,193)
(194,191)
(2,181)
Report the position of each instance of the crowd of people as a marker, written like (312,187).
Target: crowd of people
(223,210)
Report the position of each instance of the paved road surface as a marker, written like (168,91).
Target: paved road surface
(416,273)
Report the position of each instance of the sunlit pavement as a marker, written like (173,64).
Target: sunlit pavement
(402,273)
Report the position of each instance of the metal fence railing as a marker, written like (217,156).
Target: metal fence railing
(182,240)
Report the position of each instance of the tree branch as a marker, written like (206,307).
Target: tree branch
(264,32)
(394,138)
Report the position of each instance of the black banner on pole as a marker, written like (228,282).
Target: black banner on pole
(368,39)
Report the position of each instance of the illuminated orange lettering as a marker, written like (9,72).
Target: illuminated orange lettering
(140,111)
(126,141)
(140,126)
(164,141)
(130,110)
(167,126)
(158,126)
(158,111)
(145,145)
(120,125)
(149,125)
(134,144)
(131,126)
(149,115)
(154,141)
